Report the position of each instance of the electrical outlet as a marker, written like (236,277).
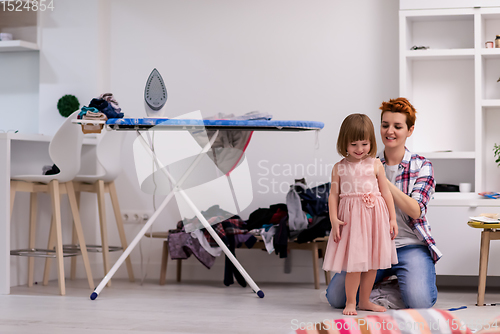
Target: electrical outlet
(136,217)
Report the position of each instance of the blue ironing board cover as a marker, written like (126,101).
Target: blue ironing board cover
(250,125)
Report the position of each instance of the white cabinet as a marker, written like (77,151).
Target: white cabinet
(453,85)
(460,243)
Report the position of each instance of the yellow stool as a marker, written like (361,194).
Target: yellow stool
(490,232)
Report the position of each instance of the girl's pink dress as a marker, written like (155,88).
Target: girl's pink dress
(365,240)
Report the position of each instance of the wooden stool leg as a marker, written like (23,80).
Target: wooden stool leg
(483,266)
(51,244)
(32,237)
(79,231)
(101,204)
(12,196)
(322,247)
(314,249)
(327,277)
(179,270)
(121,230)
(74,240)
(164,260)
(56,211)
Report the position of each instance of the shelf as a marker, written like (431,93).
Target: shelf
(462,199)
(444,54)
(448,155)
(442,15)
(443,4)
(490,53)
(11,46)
(490,103)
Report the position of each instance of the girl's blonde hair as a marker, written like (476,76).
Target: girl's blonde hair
(400,105)
(356,127)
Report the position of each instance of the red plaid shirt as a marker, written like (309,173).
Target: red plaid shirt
(229,226)
(416,179)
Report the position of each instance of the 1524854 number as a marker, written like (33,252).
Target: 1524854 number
(27,5)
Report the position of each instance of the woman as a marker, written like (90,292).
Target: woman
(411,181)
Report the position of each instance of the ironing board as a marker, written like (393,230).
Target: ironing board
(193,124)
(141,124)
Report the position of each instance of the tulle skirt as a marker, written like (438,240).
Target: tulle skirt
(365,240)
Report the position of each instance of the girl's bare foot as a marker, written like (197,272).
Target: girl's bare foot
(350,309)
(369,306)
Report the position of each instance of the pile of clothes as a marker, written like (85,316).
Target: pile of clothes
(103,106)
(99,109)
(273,224)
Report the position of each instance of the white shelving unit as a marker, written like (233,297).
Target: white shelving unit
(453,85)
(23,25)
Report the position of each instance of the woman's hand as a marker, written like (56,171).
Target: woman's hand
(393,228)
(336,223)
(407,204)
(385,190)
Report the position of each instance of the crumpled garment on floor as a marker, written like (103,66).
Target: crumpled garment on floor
(387,294)
(214,251)
(214,215)
(268,238)
(231,226)
(181,245)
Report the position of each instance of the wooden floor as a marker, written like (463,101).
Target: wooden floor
(187,307)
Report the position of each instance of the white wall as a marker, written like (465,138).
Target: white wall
(70,58)
(19,94)
(319,60)
(315,60)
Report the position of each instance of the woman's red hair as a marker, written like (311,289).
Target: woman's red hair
(400,105)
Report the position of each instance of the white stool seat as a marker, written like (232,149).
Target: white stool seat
(65,151)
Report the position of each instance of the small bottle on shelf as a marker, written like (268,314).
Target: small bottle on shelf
(497,41)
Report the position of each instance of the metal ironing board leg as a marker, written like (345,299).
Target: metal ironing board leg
(149,223)
(202,219)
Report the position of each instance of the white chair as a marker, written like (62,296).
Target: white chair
(65,151)
(109,157)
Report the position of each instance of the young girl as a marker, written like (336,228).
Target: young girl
(362,214)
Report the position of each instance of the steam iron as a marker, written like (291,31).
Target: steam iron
(155,95)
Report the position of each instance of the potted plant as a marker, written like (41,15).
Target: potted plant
(67,105)
(496,153)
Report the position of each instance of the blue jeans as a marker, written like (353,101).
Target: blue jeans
(416,277)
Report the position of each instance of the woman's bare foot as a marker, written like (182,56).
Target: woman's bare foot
(350,309)
(369,306)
